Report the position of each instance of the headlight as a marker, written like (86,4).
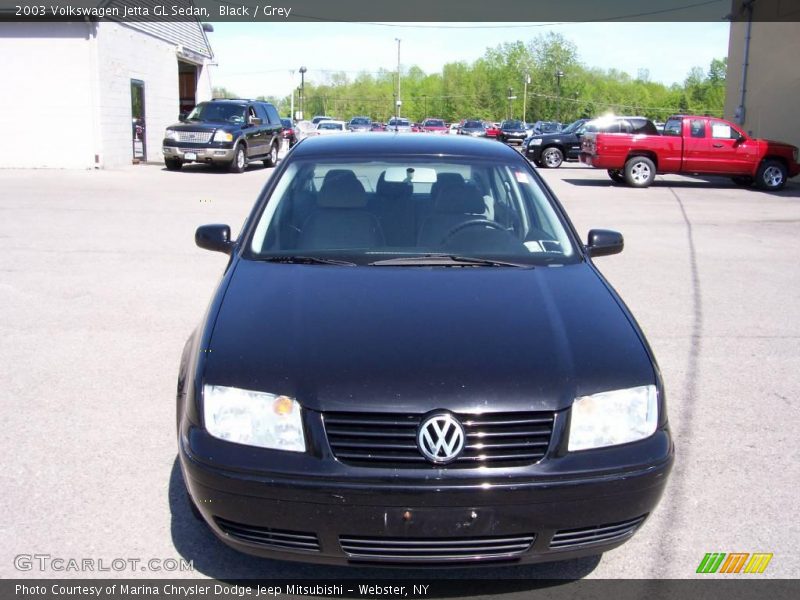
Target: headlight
(536,142)
(611,418)
(253,418)
(223,136)
(171,134)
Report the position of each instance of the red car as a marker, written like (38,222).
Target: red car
(492,130)
(692,145)
(434,126)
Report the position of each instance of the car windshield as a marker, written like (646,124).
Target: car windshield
(473,125)
(329,125)
(573,126)
(549,127)
(399,123)
(360,121)
(371,210)
(217,112)
(512,125)
(434,123)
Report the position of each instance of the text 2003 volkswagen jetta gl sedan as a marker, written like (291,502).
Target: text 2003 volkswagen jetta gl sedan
(412,359)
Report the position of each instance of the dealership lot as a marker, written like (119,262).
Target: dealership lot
(101,284)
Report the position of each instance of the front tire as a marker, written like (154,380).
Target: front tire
(239,162)
(272,159)
(771,175)
(173,164)
(640,171)
(552,158)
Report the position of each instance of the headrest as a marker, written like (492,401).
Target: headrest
(343,191)
(444,179)
(392,189)
(459,198)
(336,174)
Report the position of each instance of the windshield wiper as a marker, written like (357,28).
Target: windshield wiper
(445,260)
(308,260)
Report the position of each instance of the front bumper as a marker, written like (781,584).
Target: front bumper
(198,154)
(533,153)
(315,509)
(513,138)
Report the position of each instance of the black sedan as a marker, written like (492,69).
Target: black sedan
(412,359)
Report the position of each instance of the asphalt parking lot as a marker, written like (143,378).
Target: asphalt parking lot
(102,283)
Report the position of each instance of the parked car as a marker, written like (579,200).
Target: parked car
(377,126)
(550,150)
(542,127)
(329,126)
(288,133)
(692,145)
(492,130)
(454,128)
(473,128)
(360,124)
(315,121)
(304,129)
(229,133)
(399,125)
(513,132)
(340,404)
(434,126)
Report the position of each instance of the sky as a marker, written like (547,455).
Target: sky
(257,58)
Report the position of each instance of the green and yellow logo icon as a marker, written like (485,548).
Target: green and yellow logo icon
(735,562)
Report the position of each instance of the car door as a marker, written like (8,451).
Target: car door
(272,125)
(254,132)
(734,152)
(573,141)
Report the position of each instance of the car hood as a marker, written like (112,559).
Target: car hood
(202,126)
(413,339)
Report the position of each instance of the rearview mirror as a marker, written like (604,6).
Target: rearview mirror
(214,237)
(603,242)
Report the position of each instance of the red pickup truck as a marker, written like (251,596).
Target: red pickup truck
(692,145)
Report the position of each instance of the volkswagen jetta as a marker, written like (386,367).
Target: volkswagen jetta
(412,359)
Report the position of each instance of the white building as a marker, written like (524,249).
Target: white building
(69,92)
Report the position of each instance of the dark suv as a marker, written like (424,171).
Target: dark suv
(225,132)
(549,150)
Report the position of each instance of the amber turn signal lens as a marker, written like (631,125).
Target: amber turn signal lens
(283,405)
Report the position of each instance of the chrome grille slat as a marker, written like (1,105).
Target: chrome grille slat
(389,439)
(434,549)
(568,538)
(265,536)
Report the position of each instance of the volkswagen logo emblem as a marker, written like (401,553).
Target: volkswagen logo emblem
(441,438)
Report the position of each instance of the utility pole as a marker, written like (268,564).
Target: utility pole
(302,91)
(559,75)
(398,102)
(511,97)
(525,98)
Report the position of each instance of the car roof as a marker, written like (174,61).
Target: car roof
(405,144)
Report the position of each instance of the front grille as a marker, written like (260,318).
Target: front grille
(198,137)
(390,440)
(380,549)
(567,538)
(280,539)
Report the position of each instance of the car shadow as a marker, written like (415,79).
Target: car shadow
(195,542)
(217,170)
(792,189)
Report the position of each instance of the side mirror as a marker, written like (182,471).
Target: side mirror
(603,242)
(182,116)
(253,121)
(214,237)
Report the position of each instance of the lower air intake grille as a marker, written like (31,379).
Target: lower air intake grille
(599,534)
(390,440)
(279,539)
(418,550)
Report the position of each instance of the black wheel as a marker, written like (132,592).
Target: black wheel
(173,164)
(771,175)
(742,181)
(639,171)
(616,176)
(552,158)
(239,162)
(272,159)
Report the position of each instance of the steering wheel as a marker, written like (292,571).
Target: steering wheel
(471,223)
